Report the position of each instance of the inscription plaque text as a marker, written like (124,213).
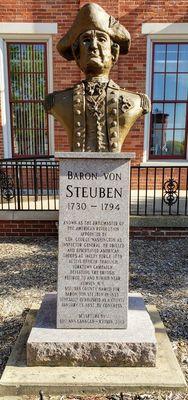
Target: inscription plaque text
(93,243)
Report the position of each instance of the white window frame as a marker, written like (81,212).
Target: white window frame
(160,32)
(23,32)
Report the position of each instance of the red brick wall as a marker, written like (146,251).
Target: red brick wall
(158,233)
(49,228)
(28,228)
(131,69)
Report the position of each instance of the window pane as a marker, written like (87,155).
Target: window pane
(183,58)
(168,143)
(180,120)
(157,108)
(15,65)
(171,58)
(169,115)
(39,54)
(179,142)
(159,57)
(40,87)
(17,116)
(170,87)
(182,93)
(16,87)
(40,121)
(157,116)
(156,144)
(158,87)
(26,57)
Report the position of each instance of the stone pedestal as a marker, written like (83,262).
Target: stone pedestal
(97,324)
(133,347)
(93,240)
(19,378)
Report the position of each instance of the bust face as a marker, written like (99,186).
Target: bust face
(95,56)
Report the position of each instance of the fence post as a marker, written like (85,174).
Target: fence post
(35,181)
(18,185)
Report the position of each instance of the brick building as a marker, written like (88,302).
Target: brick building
(156,64)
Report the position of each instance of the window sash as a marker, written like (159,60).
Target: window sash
(167,139)
(27,72)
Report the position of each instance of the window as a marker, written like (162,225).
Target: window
(168,126)
(26,69)
(27,78)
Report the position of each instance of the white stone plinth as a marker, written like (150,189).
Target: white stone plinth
(93,240)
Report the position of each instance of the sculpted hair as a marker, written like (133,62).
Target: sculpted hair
(76,49)
(115,49)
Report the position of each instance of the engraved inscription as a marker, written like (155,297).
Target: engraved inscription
(90,259)
(93,262)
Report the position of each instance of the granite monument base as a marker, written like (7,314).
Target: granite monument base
(135,346)
(18,379)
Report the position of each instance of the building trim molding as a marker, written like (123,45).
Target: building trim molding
(165,28)
(31,28)
(4,98)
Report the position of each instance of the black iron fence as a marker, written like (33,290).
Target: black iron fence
(159,190)
(29,184)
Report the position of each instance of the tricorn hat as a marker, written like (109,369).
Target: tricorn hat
(92,16)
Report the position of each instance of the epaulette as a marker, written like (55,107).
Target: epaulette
(145,103)
(113,85)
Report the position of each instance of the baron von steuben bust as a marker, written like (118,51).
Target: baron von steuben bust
(96,113)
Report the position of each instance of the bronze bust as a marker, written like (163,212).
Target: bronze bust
(96,113)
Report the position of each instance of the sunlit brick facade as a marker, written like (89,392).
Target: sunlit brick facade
(130,72)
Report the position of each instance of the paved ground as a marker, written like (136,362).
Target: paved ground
(158,269)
